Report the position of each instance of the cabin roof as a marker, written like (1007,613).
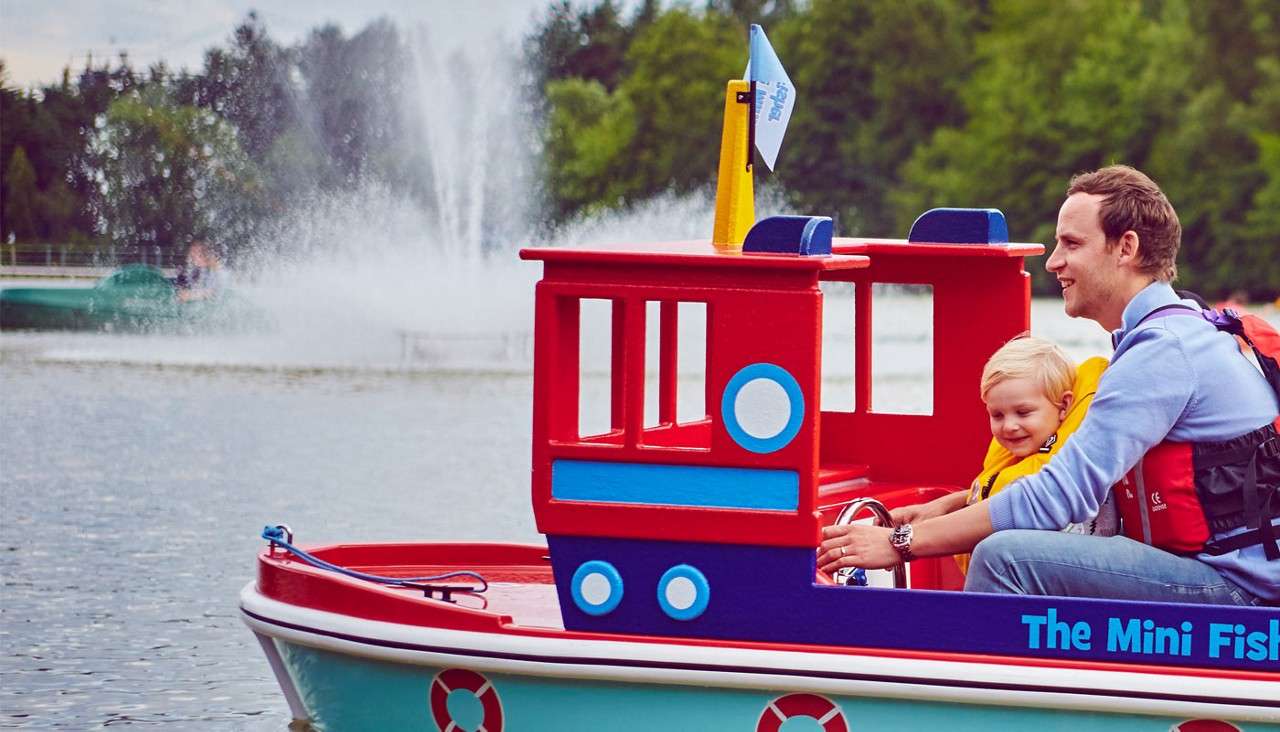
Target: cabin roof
(692,254)
(848,254)
(854,246)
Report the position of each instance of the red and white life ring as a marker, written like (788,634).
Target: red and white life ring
(460,678)
(826,712)
(1204,725)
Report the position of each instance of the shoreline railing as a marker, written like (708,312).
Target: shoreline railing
(51,254)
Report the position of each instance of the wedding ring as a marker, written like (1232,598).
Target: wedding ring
(842,551)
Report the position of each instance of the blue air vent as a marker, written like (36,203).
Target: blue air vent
(960,226)
(790,235)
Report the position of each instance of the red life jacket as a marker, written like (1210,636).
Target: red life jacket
(1181,494)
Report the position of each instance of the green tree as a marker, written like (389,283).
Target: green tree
(249,84)
(169,173)
(660,129)
(51,125)
(587,138)
(874,81)
(355,94)
(59,209)
(1216,158)
(1261,232)
(680,64)
(1186,91)
(585,44)
(21,196)
(763,12)
(1059,88)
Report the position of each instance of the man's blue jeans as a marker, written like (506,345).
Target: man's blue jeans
(1055,563)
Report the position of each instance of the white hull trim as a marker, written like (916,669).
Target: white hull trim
(1166,694)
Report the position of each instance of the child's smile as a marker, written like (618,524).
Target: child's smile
(1022,417)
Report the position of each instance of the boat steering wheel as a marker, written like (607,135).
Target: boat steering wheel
(847,516)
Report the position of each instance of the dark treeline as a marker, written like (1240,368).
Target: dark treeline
(143,160)
(911,104)
(903,106)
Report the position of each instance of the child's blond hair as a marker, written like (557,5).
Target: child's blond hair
(1028,357)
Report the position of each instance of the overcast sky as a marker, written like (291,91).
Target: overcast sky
(39,37)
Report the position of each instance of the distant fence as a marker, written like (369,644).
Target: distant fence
(48,254)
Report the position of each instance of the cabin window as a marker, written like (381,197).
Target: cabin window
(652,362)
(902,349)
(691,400)
(838,328)
(675,375)
(596,417)
(641,373)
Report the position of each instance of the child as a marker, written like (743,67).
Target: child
(1035,399)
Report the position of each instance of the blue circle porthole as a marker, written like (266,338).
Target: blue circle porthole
(596,587)
(683,592)
(762,407)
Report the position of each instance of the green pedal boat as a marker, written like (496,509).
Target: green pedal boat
(135,297)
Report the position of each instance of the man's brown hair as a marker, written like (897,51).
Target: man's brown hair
(1133,202)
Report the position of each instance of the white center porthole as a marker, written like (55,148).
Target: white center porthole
(683,592)
(762,407)
(596,587)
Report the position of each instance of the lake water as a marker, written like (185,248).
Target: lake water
(137,472)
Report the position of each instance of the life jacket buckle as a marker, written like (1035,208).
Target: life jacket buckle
(1269,448)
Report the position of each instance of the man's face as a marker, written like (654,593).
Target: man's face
(1086,267)
(197,255)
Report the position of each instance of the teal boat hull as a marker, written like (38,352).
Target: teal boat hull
(502,662)
(348,692)
(133,298)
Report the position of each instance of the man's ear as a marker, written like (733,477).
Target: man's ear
(1128,247)
(1065,405)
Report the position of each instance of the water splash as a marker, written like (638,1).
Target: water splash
(473,123)
(376,277)
(361,280)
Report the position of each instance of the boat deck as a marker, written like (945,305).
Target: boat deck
(521,592)
(526,594)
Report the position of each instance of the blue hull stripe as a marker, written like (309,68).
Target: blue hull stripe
(771,671)
(675,485)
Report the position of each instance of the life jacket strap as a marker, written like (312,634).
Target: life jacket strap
(1266,535)
(1261,508)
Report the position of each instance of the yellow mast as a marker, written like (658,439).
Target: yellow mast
(735,199)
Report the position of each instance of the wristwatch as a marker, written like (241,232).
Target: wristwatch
(900,539)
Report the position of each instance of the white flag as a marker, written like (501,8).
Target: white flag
(775,96)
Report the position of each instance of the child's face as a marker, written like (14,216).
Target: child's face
(1022,417)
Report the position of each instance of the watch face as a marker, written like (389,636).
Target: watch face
(900,539)
(900,535)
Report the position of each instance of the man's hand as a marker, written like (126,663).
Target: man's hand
(856,545)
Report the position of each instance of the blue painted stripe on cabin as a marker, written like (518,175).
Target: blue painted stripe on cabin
(675,485)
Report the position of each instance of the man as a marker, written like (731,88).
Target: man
(1174,378)
(202,278)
